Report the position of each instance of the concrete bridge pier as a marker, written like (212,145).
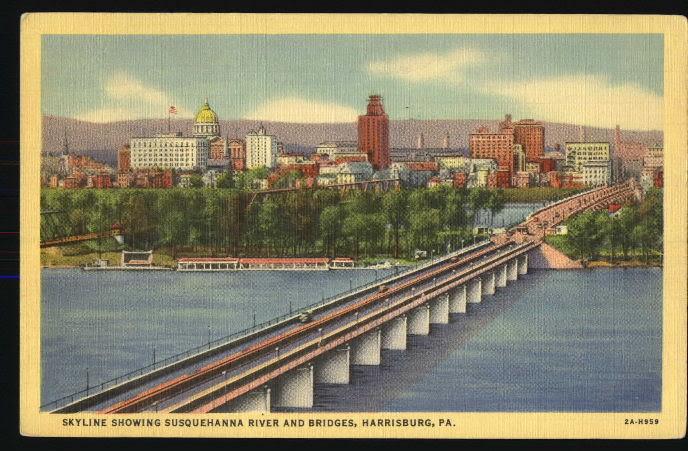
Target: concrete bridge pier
(419,321)
(501,276)
(333,367)
(457,300)
(365,350)
(512,269)
(439,310)
(394,334)
(295,388)
(256,401)
(489,283)
(474,293)
(523,265)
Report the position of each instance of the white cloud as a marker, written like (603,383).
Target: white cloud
(294,109)
(585,99)
(424,67)
(126,98)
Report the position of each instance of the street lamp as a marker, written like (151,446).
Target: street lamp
(155,405)
(224,381)
(277,351)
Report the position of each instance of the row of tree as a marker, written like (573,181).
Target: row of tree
(635,229)
(299,223)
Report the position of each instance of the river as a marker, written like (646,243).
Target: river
(586,340)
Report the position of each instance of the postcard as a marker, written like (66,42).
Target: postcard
(362,226)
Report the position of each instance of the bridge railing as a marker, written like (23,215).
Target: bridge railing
(227,339)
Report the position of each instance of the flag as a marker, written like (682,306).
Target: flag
(173,110)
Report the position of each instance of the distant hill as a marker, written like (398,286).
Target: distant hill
(103,140)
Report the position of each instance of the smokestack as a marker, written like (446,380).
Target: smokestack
(420,144)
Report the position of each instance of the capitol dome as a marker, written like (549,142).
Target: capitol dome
(206,123)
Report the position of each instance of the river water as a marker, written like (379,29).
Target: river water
(585,340)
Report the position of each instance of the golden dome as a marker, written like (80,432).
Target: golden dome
(206,115)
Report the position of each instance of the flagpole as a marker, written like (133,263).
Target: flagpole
(168,120)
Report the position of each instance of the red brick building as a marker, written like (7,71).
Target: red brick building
(124,159)
(237,152)
(548,165)
(530,135)
(495,146)
(373,133)
(459,180)
(503,179)
(101,181)
(218,148)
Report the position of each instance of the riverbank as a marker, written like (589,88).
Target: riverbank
(76,257)
(634,259)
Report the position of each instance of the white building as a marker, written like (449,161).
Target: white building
(654,157)
(169,151)
(354,171)
(339,149)
(174,151)
(596,173)
(211,176)
(579,153)
(261,149)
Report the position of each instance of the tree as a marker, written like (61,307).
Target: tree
(225,181)
(330,228)
(615,236)
(196,181)
(395,207)
(628,218)
(268,223)
(477,199)
(586,234)
(495,202)
(424,226)
(354,228)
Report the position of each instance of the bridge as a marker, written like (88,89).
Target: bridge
(278,365)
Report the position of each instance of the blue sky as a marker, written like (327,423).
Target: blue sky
(596,80)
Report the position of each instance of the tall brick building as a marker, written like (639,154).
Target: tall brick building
(496,146)
(530,135)
(373,133)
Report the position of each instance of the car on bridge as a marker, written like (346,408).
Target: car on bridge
(306,317)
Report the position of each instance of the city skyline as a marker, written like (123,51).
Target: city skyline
(327,78)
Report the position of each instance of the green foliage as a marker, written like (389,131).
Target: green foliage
(319,222)
(196,181)
(636,230)
(225,181)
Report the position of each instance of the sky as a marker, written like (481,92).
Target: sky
(593,80)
